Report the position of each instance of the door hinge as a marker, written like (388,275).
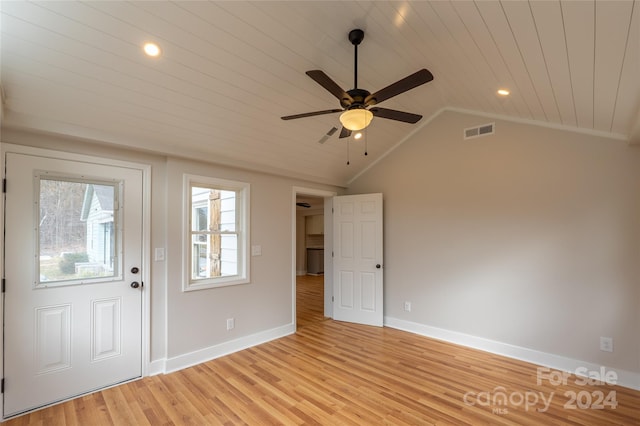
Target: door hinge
(4,285)
(4,186)
(332,298)
(2,386)
(332,254)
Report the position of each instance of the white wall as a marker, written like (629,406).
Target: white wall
(528,237)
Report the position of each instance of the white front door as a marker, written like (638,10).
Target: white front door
(73,240)
(357,257)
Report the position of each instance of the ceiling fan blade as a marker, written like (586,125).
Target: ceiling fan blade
(393,114)
(401,86)
(345,133)
(325,81)
(311,114)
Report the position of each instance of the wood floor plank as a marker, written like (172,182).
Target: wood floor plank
(338,373)
(333,373)
(309,299)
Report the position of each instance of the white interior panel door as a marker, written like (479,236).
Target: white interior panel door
(73,320)
(358,279)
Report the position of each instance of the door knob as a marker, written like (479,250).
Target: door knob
(135,270)
(378,266)
(135,284)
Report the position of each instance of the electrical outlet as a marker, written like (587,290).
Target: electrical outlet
(231,322)
(407,306)
(606,344)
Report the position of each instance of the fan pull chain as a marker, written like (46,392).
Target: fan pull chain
(348,151)
(364,135)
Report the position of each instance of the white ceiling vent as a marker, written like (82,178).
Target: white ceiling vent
(328,135)
(475,132)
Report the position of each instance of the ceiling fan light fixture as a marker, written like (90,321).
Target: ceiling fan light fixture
(356,119)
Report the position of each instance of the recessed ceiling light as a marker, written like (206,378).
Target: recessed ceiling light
(503,92)
(151,49)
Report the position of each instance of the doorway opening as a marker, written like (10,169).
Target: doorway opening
(312,280)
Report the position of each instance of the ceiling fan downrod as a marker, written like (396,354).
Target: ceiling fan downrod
(355,37)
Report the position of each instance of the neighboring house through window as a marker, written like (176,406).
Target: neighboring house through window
(77,235)
(97,212)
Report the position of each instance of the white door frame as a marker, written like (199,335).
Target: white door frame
(146,237)
(328,243)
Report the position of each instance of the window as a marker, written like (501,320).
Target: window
(77,241)
(216,232)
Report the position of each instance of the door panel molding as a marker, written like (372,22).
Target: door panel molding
(358,256)
(106,328)
(53,338)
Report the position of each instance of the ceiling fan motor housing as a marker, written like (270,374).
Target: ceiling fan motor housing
(357,99)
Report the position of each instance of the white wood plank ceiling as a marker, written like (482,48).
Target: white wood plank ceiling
(229,70)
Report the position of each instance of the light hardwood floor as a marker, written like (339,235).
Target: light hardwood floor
(333,373)
(309,300)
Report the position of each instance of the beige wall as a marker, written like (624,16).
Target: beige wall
(183,323)
(197,319)
(528,237)
(301,252)
(301,238)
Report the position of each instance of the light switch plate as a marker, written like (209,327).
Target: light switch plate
(606,344)
(256,250)
(159,254)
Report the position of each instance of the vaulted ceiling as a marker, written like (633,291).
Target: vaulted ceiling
(230,69)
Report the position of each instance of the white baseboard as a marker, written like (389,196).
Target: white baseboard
(156,367)
(626,379)
(197,357)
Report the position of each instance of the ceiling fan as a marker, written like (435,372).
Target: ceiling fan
(358,105)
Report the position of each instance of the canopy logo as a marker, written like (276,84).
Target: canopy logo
(500,400)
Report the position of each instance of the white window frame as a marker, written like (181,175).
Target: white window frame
(243,197)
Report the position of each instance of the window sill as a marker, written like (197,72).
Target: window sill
(214,284)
